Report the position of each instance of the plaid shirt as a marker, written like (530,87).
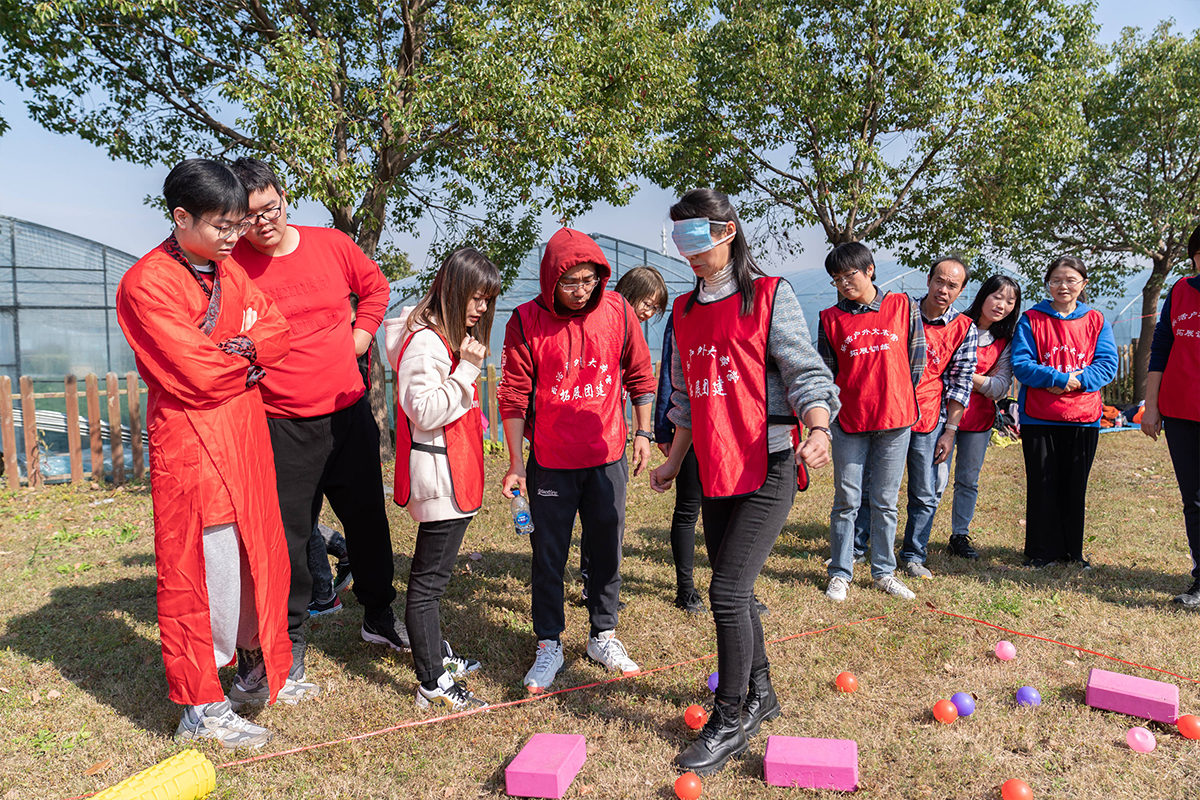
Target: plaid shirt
(916,336)
(956,380)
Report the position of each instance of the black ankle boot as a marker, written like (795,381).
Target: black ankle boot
(721,738)
(761,702)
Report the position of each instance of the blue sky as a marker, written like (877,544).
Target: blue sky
(66,183)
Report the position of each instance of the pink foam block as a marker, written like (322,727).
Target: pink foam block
(545,766)
(1137,697)
(811,763)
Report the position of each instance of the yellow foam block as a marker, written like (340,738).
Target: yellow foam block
(183,776)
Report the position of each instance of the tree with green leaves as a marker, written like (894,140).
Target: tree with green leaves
(477,115)
(1133,196)
(905,122)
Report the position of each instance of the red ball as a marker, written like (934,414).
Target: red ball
(846,682)
(1016,789)
(687,786)
(1189,726)
(945,711)
(695,717)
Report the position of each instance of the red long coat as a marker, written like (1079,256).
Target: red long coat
(210,458)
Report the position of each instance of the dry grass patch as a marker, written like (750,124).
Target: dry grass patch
(82,671)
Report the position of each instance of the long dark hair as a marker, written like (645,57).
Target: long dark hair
(715,206)
(464,273)
(1002,329)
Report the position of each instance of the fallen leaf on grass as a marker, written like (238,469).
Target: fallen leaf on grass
(449,791)
(36,698)
(53,694)
(4,689)
(98,767)
(476,556)
(1021,523)
(585,789)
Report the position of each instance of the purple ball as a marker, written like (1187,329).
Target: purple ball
(1028,696)
(712,682)
(964,703)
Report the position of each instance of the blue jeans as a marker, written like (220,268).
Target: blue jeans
(970,447)
(926,482)
(883,452)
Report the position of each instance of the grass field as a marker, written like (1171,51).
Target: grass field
(82,687)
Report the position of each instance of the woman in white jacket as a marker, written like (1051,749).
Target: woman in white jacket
(439,453)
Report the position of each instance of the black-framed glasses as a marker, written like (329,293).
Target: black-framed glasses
(270,215)
(226,231)
(584,284)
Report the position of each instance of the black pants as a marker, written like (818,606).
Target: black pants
(683,522)
(335,456)
(740,533)
(1058,459)
(1183,440)
(433,560)
(597,494)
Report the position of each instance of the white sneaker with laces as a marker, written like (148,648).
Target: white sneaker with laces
(606,649)
(218,722)
(838,586)
(545,667)
(448,697)
(895,587)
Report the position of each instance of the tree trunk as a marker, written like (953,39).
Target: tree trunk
(377,398)
(1150,294)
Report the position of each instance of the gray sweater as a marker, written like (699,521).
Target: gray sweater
(797,378)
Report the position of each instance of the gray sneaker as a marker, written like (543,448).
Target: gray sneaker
(218,722)
(895,587)
(250,686)
(860,558)
(1190,598)
(915,569)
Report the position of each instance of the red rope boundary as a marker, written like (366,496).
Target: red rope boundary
(537,698)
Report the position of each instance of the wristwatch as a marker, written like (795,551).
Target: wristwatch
(823,430)
(649,436)
(952,428)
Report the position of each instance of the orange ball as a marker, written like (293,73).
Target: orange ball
(1189,726)
(846,682)
(945,711)
(1016,789)
(687,786)
(695,717)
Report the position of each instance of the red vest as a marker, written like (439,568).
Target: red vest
(1177,396)
(874,374)
(578,418)
(981,411)
(464,448)
(724,360)
(941,342)
(1068,345)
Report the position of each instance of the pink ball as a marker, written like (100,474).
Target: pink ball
(1005,650)
(1140,740)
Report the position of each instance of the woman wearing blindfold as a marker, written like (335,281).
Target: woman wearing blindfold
(749,372)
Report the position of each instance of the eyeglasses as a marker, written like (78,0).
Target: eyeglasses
(847,279)
(270,215)
(226,231)
(575,287)
(1058,283)
(647,307)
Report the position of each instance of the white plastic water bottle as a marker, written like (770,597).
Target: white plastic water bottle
(522,519)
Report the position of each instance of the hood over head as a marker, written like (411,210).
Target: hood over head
(568,249)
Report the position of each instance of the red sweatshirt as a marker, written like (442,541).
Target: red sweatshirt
(312,286)
(579,360)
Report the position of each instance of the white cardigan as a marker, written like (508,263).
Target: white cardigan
(431,397)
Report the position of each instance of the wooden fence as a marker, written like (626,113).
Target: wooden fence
(94,424)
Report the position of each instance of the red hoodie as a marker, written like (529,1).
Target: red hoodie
(572,365)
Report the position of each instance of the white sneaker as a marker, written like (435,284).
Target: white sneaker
(838,586)
(607,649)
(448,697)
(545,667)
(217,721)
(895,587)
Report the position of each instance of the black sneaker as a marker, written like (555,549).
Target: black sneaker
(316,609)
(342,577)
(960,545)
(384,628)
(761,606)
(1082,563)
(690,602)
(1036,563)
(457,664)
(1190,598)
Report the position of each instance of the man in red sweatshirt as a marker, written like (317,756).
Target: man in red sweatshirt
(567,356)
(325,440)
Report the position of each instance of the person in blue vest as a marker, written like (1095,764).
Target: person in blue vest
(745,371)
(1063,354)
(1172,404)
(439,453)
